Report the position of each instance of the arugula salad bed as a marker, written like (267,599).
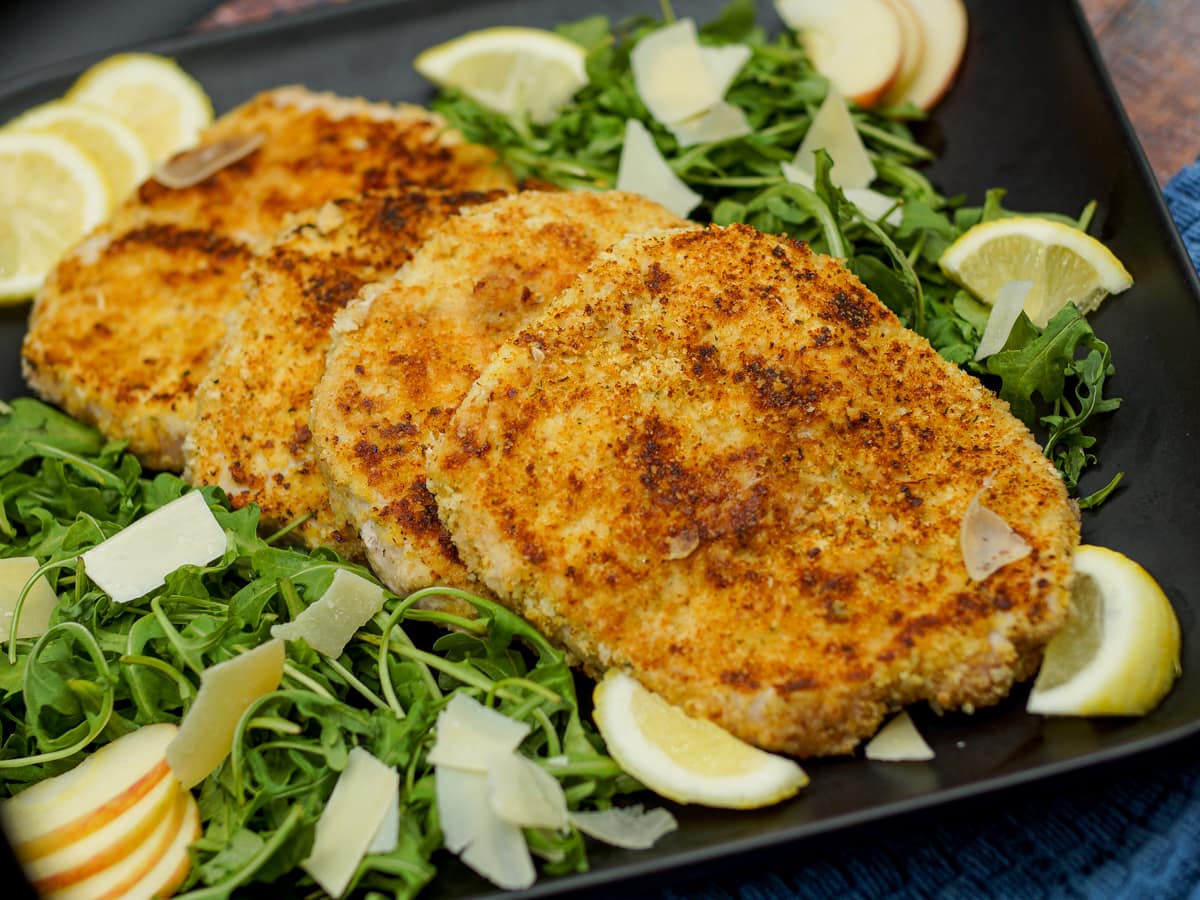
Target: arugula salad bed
(104,669)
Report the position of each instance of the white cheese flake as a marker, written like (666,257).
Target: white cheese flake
(15,572)
(494,848)
(328,624)
(137,559)
(469,734)
(359,804)
(988,543)
(899,741)
(226,691)
(721,122)
(724,63)
(387,835)
(630,827)
(523,793)
(833,130)
(1010,300)
(672,75)
(642,170)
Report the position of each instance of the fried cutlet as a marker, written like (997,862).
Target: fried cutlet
(720,464)
(125,326)
(251,434)
(404,354)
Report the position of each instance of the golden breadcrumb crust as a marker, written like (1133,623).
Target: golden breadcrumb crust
(720,463)
(251,434)
(125,327)
(404,354)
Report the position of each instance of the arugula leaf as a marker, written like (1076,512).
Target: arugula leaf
(104,669)
(740,181)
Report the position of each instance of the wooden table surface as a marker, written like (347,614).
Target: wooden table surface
(1151,47)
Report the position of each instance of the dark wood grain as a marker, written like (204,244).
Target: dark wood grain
(1149,46)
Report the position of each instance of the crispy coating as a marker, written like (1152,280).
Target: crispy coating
(251,434)
(404,354)
(126,326)
(720,463)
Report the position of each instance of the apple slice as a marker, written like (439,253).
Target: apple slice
(60,810)
(944,34)
(914,50)
(857,44)
(115,872)
(84,857)
(170,871)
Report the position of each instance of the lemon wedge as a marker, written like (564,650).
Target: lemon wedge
(1119,653)
(509,70)
(164,106)
(51,194)
(110,143)
(685,759)
(1065,264)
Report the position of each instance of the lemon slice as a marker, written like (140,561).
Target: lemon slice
(51,195)
(1119,653)
(164,106)
(685,759)
(110,143)
(509,70)
(1064,264)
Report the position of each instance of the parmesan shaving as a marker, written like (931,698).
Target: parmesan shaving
(523,793)
(642,170)
(359,804)
(833,130)
(630,826)
(138,558)
(724,63)
(988,542)
(672,75)
(899,741)
(1009,302)
(15,572)
(328,624)
(191,167)
(469,735)
(226,691)
(721,122)
(494,848)
(387,835)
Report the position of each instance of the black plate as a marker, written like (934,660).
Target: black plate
(1032,111)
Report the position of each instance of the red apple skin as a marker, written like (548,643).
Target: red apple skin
(62,886)
(943,22)
(115,847)
(92,819)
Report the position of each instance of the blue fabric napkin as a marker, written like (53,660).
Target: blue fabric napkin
(1129,829)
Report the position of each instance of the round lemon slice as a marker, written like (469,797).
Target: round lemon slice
(1119,653)
(164,106)
(685,759)
(509,70)
(110,143)
(51,194)
(1065,264)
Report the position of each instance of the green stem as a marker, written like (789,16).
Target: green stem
(223,889)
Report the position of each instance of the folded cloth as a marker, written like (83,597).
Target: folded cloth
(1127,830)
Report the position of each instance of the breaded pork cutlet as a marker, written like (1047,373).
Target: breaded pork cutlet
(125,326)
(406,352)
(252,434)
(720,464)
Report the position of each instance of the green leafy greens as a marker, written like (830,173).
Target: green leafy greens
(1053,378)
(104,669)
